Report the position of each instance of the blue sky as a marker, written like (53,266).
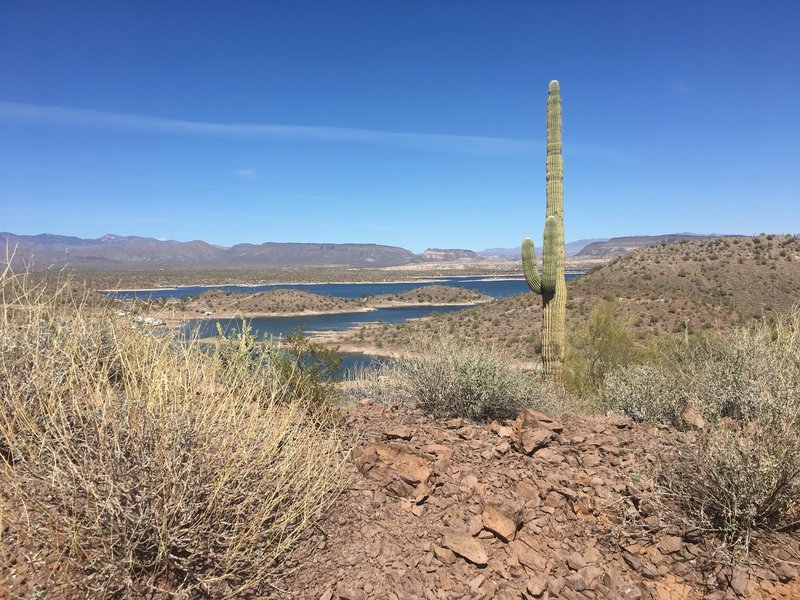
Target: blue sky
(413,123)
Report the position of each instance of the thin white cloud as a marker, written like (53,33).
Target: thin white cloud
(679,88)
(57,115)
(247,173)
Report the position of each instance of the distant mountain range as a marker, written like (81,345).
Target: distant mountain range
(570,249)
(114,251)
(122,252)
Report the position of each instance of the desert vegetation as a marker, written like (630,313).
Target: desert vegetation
(131,465)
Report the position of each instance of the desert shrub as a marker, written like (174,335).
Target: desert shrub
(605,343)
(742,472)
(448,378)
(644,392)
(144,466)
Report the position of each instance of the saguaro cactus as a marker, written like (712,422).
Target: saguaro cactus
(551,284)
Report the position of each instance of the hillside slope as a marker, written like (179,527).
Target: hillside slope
(622,245)
(713,284)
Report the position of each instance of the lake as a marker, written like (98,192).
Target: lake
(263,327)
(280,326)
(496,288)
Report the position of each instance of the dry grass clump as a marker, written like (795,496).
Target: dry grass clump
(146,467)
(447,378)
(742,474)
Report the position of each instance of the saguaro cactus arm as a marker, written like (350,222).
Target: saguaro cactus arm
(530,267)
(550,264)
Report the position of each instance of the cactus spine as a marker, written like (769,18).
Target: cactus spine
(551,284)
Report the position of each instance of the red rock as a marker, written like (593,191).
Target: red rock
(555,585)
(502,519)
(398,433)
(691,416)
(529,441)
(475,525)
(466,546)
(575,561)
(537,586)
(445,555)
(345,593)
(785,572)
(740,583)
(670,544)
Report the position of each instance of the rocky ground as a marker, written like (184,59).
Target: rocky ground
(533,509)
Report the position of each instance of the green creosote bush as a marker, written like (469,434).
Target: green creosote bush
(447,378)
(604,344)
(742,472)
(144,465)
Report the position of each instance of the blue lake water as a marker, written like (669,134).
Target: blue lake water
(264,327)
(496,288)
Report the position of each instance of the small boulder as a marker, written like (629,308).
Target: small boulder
(466,546)
(502,519)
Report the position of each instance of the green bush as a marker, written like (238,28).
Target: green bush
(605,343)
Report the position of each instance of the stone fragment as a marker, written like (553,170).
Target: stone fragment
(575,561)
(466,546)
(476,582)
(670,544)
(502,519)
(383,461)
(593,576)
(740,583)
(692,416)
(576,582)
(556,585)
(785,572)
(345,593)
(630,592)
(590,459)
(537,586)
(475,525)
(398,433)
(526,491)
(469,482)
(445,555)
(529,441)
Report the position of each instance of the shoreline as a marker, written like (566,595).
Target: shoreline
(256,285)
(177,320)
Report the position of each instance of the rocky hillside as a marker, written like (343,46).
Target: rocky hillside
(712,284)
(622,245)
(537,508)
(440,255)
